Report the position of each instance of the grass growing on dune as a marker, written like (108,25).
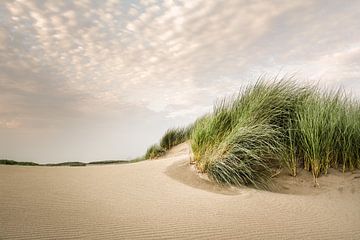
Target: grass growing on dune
(154,151)
(328,133)
(276,124)
(171,138)
(238,142)
(175,136)
(268,125)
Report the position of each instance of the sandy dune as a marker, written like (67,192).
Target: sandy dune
(165,199)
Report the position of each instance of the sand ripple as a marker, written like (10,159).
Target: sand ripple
(145,200)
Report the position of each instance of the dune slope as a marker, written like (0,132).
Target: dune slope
(165,199)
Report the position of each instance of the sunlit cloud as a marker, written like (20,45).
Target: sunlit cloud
(62,61)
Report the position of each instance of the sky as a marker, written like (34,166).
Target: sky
(98,80)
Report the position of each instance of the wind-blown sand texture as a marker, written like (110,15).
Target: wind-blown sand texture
(165,199)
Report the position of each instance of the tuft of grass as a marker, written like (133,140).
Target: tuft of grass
(276,123)
(244,156)
(154,151)
(173,137)
(237,143)
(328,132)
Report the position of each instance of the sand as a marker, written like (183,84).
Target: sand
(166,199)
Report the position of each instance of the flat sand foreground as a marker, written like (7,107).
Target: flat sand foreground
(165,199)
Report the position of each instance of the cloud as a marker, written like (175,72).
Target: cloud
(3,39)
(13,123)
(157,54)
(65,61)
(116,50)
(37,102)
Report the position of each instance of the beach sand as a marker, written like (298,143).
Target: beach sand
(166,199)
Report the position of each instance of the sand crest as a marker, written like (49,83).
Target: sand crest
(165,199)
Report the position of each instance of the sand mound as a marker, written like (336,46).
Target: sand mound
(166,199)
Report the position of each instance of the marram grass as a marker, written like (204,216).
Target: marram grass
(244,136)
(154,151)
(273,124)
(174,137)
(171,138)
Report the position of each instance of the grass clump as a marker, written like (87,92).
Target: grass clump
(327,128)
(276,124)
(154,151)
(171,138)
(238,142)
(175,136)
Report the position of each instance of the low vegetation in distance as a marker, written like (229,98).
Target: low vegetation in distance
(268,125)
(71,164)
(12,162)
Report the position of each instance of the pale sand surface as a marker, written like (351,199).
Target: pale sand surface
(166,199)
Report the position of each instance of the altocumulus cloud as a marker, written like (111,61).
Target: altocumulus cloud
(93,68)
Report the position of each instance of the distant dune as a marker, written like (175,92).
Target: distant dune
(167,199)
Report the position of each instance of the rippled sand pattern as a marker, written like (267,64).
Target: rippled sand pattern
(148,200)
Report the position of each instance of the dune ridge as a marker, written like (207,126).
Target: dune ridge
(151,200)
